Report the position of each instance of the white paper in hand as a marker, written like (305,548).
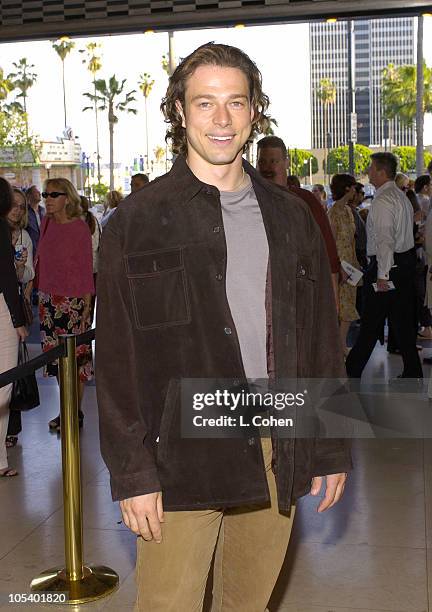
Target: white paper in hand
(354,275)
(390,285)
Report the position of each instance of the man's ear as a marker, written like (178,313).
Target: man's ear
(179,108)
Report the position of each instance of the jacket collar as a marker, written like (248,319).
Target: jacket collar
(187,185)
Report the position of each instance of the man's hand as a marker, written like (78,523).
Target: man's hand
(382,284)
(334,489)
(344,276)
(28,291)
(144,515)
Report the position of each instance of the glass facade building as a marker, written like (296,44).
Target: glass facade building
(376,43)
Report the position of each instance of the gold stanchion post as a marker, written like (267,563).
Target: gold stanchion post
(81,582)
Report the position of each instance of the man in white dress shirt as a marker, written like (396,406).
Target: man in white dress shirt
(390,247)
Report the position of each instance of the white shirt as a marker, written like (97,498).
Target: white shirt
(96,236)
(95,244)
(25,240)
(389,226)
(424,203)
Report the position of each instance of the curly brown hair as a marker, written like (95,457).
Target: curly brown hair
(212,54)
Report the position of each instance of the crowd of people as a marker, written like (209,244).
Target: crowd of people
(49,259)
(217,270)
(397,234)
(59,242)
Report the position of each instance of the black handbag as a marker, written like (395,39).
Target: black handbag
(25,392)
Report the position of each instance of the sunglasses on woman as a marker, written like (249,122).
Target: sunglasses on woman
(52,194)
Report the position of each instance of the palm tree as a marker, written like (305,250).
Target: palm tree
(169,61)
(269,131)
(165,64)
(63,46)
(23,78)
(159,153)
(6,86)
(146,85)
(326,93)
(106,97)
(400,97)
(399,92)
(94,65)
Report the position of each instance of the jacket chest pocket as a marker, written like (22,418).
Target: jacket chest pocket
(158,286)
(305,287)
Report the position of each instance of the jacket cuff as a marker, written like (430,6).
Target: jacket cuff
(124,486)
(332,465)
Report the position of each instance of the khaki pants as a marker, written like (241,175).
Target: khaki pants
(250,548)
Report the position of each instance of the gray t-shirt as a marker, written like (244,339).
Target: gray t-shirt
(247,259)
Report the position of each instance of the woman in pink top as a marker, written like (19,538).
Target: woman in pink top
(65,283)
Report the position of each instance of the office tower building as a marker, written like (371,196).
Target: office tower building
(376,44)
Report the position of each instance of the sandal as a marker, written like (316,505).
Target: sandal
(54,424)
(11,441)
(8,473)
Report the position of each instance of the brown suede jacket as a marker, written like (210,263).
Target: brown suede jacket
(163,315)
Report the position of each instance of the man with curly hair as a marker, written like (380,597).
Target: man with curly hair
(215,277)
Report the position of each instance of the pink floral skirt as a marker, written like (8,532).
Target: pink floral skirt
(63,315)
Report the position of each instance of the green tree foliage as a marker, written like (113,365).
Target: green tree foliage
(338,159)
(63,46)
(23,78)
(15,140)
(93,61)
(159,153)
(145,84)
(399,92)
(100,191)
(269,130)
(299,162)
(165,64)
(326,93)
(6,87)
(407,158)
(110,96)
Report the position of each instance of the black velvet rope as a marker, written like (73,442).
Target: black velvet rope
(6,378)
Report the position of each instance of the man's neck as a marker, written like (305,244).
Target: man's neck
(34,206)
(383,183)
(227,177)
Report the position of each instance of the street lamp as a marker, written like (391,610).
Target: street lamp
(48,168)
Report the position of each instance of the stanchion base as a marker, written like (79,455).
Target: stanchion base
(99,581)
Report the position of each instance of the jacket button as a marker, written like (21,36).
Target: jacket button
(302,271)
(251,441)
(228,331)
(216,229)
(219,277)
